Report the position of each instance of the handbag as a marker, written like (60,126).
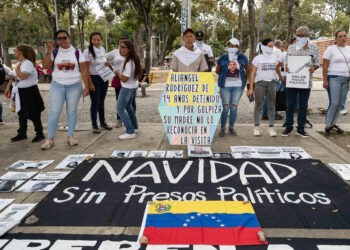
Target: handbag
(281,99)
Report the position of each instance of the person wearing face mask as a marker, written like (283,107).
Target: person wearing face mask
(303,47)
(264,76)
(206,49)
(188,58)
(233,71)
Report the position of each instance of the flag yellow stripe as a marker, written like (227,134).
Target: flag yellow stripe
(183,207)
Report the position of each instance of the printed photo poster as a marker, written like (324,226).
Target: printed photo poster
(233,78)
(270,153)
(342,169)
(138,154)
(104,72)
(217,155)
(11,180)
(43,182)
(120,153)
(244,152)
(72,161)
(190,108)
(156,154)
(13,215)
(199,151)
(175,154)
(299,74)
(30,164)
(5,202)
(295,153)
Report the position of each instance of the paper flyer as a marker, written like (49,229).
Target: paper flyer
(72,161)
(342,169)
(120,154)
(156,154)
(43,182)
(11,180)
(199,151)
(175,154)
(138,154)
(21,164)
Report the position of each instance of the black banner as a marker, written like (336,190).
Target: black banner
(125,242)
(114,192)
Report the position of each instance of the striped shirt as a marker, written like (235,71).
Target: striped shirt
(312,50)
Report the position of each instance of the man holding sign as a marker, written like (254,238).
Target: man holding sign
(302,59)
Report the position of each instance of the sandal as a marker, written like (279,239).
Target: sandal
(48,144)
(71,141)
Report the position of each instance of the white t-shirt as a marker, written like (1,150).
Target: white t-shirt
(282,59)
(233,75)
(28,68)
(116,59)
(129,71)
(66,69)
(100,58)
(337,64)
(266,67)
(206,49)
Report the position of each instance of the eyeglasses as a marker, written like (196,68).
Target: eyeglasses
(60,38)
(123,47)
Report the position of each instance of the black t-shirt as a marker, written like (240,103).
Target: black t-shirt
(144,73)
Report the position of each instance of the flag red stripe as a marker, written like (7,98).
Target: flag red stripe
(203,236)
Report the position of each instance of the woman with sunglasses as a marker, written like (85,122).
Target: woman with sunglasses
(129,75)
(96,55)
(68,68)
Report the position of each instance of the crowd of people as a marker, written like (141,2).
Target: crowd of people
(75,74)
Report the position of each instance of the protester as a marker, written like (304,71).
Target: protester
(129,75)
(277,48)
(336,76)
(68,68)
(233,71)
(206,49)
(96,55)
(303,47)
(5,74)
(143,81)
(29,103)
(264,76)
(188,58)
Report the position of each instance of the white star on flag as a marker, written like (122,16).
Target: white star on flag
(185,225)
(213,218)
(199,214)
(188,220)
(206,215)
(218,221)
(222,225)
(192,217)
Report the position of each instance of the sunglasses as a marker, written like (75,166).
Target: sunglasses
(60,38)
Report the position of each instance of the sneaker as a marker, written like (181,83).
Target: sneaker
(309,110)
(257,131)
(327,131)
(105,126)
(38,137)
(49,143)
(278,117)
(265,118)
(95,130)
(222,132)
(127,136)
(1,122)
(308,124)
(232,131)
(119,124)
(272,132)
(71,141)
(19,138)
(286,132)
(337,129)
(136,130)
(343,112)
(303,134)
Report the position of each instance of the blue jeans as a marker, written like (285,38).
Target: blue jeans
(343,105)
(292,94)
(58,94)
(337,91)
(98,100)
(278,85)
(125,99)
(230,97)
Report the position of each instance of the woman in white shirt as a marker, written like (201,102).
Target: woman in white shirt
(263,75)
(129,75)
(29,103)
(336,75)
(69,67)
(96,55)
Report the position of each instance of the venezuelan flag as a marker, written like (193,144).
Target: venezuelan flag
(201,223)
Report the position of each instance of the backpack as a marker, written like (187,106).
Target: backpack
(55,52)
(2,74)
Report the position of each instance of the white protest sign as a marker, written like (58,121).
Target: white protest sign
(342,169)
(104,72)
(299,74)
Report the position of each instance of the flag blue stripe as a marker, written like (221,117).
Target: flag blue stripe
(219,220)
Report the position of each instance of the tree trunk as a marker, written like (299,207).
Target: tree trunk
(240,4)
(81,40)
(50,17)
(262,19)
(138,40)
(290,21)
(251,13)
(5,49)
(82,34)
(163,51)
(215,24)
(71,23)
